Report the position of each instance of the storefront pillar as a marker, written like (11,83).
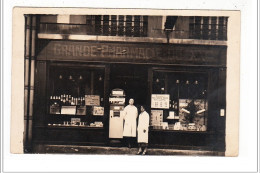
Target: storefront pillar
(29,79)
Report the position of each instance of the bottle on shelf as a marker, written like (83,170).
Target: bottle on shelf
(79,101)
(61,100)
(76,101)
(69,100)
(72,100)
(55,100)
(83,101)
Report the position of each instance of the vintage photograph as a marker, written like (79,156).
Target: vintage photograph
(125,84)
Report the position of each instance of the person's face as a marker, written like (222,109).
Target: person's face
(142,108)
(131,102)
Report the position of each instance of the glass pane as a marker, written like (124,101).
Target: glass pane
(74,92)
(105,25)
(113,25)
(188,99)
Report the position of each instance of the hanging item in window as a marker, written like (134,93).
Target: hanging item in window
(160,101)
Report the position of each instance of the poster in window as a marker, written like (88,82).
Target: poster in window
(156,117)
(98,111)
(92,100)
(160,101)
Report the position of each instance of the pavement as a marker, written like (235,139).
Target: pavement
(103,150)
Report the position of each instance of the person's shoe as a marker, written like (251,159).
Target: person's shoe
(139,152)
(144,153)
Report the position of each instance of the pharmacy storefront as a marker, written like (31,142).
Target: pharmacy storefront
(82,86)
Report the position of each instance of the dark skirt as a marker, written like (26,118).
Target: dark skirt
(142,144)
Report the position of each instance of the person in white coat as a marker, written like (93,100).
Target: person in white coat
(142,130)
(130,116)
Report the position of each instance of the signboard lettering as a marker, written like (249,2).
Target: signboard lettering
(158,53)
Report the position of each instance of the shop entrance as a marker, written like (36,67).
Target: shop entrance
(132,79)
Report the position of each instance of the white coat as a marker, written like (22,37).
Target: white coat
(130,115)
(143,124)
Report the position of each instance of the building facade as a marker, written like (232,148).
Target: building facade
(81,68)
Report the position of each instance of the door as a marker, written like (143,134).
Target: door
(133,80)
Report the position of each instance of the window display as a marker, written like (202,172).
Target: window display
(193,113)
(187,100)
(75,94)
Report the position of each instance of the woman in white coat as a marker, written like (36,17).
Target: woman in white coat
(142,130)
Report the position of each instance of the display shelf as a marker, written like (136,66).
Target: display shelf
(66,115)
(74,127)
(180,131)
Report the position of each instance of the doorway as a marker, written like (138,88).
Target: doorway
(132,78)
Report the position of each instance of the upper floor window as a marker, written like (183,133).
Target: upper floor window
(208,28)
(119,25)
(105,25)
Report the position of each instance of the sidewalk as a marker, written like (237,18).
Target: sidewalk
(74,149)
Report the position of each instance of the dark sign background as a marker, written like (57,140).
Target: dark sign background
(132,52)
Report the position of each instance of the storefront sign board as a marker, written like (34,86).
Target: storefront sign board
(130,52)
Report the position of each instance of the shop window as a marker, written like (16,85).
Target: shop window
(179,101)
(76,96)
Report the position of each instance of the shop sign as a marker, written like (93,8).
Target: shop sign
(129,52)
(160,101)
(92,100)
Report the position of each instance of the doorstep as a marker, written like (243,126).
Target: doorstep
(102,150)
